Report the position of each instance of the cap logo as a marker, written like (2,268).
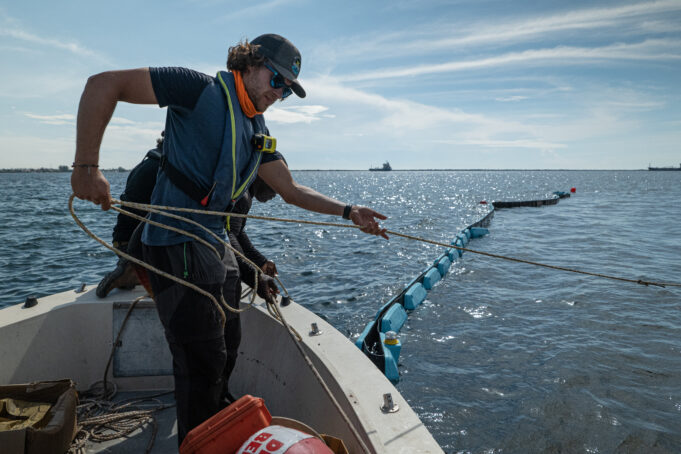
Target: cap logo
(295,66)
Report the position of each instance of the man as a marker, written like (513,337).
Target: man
(213,136)
(138,188)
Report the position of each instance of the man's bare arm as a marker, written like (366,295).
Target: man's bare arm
(277,176)
(97,104)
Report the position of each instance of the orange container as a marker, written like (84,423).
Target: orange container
(228,429)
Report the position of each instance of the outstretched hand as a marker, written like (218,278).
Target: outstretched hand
(89,184)
(366,219)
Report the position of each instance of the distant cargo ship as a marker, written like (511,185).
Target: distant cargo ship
(664,168)
(386,167)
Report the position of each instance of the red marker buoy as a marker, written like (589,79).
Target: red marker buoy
(483,202)
(573,190)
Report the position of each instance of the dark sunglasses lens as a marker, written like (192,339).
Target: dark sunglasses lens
(278,81)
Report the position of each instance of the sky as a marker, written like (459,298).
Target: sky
(424,84)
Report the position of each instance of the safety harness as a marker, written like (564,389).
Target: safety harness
(202,194)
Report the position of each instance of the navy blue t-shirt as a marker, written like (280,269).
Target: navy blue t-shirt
(195,124)
(182,87)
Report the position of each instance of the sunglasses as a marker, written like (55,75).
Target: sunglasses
(279,81)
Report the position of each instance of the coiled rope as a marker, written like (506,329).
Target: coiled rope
(100,419)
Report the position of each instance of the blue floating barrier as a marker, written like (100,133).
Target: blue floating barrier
(478,232)
(414,296)
(457,242)
(431,278)
(467,232)
(390,371)
(393,319)
(360,340)
(389,303)
(463,238)
(453,254)
(443,265)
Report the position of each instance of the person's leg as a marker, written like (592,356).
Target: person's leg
(232,292)
(138,188)
(123,277)
(198,382)
(193,327)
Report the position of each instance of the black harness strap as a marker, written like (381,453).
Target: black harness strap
(186,185)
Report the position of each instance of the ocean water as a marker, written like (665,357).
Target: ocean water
(502,357)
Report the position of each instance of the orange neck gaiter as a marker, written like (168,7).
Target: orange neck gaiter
(246,104)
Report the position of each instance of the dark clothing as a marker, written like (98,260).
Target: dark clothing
(208,138)
(180,308)
(138,188)
(240,241)
(203,353)
(179,87)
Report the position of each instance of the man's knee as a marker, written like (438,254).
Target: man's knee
(202,360)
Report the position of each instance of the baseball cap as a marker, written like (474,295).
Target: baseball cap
(284,56)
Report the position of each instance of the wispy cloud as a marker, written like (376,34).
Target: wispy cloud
(582,19)
(605,25)
(297,114)
(70,119)
(257,9)
(407,123)
(59,119)
(10,28)
(648,50)
(511,98)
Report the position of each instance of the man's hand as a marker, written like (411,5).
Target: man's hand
(270,268)
(88,183)
(366,219)
(267,288)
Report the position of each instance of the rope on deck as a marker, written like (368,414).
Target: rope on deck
(100,419)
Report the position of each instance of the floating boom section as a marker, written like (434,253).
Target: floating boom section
(379,339)
(532,203)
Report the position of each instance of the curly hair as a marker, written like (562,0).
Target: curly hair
(243,55)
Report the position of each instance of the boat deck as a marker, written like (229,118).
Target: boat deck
(71,334)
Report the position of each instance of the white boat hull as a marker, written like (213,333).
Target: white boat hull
(70,335)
